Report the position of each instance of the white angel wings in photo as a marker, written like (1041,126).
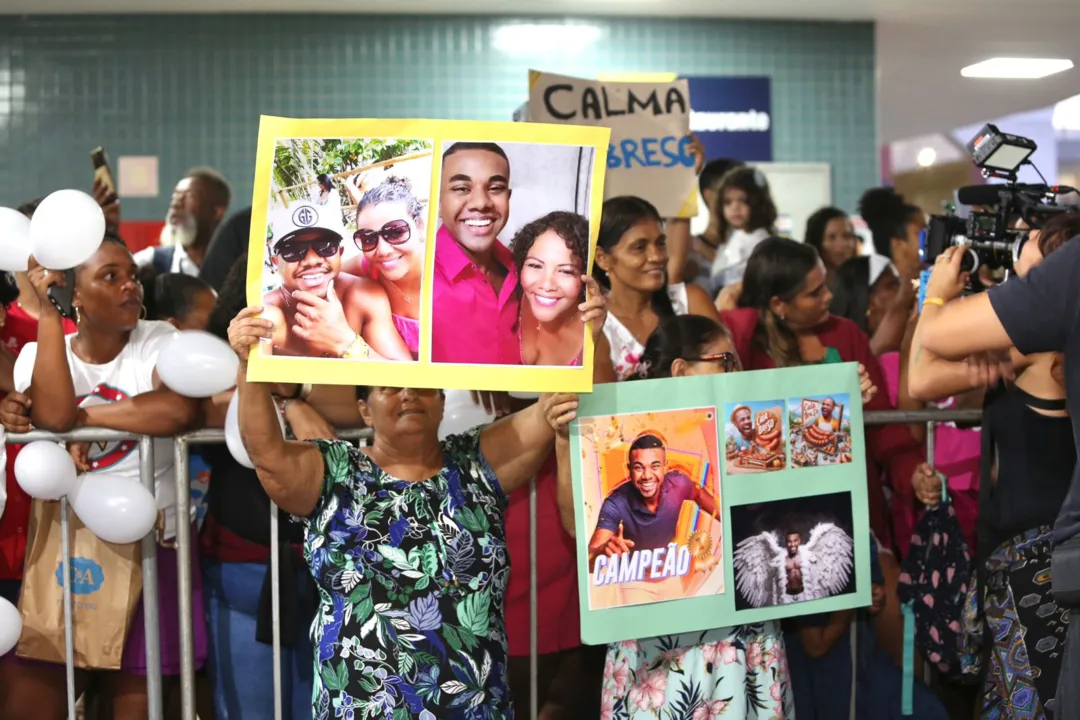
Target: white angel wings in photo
(826,561)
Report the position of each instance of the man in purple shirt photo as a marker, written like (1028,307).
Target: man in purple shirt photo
(642,513)
(475,306)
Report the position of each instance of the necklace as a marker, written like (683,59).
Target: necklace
(406,298)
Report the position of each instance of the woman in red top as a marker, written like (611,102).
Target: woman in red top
(783,320)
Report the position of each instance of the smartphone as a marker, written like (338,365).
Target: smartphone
(102,171)
(60,295)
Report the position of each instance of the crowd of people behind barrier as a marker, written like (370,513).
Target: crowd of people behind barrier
(404,583)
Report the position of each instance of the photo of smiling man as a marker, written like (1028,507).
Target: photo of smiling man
(317,310)
(511,212)
(651,494)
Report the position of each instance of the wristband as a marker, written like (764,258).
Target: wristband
(305,391)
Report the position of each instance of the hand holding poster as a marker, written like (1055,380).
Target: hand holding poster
(649,155)
(674,532)
(418,253)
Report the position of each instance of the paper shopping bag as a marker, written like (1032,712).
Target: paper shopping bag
(106,586)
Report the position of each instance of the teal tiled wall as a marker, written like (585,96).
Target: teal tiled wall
(189,89)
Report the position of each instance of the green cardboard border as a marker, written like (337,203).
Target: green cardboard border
(705,613)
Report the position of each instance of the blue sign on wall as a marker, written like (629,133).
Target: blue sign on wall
(732,116)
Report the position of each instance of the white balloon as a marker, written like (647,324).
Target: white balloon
(45,470)
(67,228)
(197,364)
(116,509)
(461,414)
(10,626)
(232,432)
(14,240)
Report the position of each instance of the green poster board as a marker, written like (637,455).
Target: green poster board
(790,536)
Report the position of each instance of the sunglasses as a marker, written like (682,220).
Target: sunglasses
(395,232)
(296,250)
(727,360)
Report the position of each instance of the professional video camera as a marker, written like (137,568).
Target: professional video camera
(988,233)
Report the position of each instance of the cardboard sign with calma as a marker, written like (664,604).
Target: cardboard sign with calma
(649,154)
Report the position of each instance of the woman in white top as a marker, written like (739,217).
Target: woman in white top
(631,262)
(104,376)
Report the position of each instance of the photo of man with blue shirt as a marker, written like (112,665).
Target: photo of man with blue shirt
(643,512)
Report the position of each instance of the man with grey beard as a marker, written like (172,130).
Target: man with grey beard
(199,202)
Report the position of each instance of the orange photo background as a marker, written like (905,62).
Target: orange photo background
(690,437)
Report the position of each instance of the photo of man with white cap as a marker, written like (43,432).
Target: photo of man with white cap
(319,311)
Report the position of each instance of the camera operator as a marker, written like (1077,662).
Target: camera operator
(1027,462)
(1036,313)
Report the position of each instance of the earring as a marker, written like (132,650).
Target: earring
(78,316)
(142,313)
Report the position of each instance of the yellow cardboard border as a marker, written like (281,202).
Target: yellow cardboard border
(264,368)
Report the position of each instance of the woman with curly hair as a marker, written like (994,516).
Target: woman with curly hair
(551,254)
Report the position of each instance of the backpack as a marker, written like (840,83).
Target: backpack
(933,589)
(163,259)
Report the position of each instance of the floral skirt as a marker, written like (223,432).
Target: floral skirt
(737,672)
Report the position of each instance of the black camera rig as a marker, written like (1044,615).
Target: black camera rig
(989,235)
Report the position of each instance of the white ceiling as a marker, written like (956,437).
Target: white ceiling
(787,9)
(921,44)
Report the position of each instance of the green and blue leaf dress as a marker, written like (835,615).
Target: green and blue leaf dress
(411,579)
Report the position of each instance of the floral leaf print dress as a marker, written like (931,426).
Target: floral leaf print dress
(411,578)
(737,672)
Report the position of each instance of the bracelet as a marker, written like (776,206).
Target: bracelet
(357,350)
(940,302)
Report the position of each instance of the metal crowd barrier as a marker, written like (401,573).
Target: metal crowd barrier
(182,444)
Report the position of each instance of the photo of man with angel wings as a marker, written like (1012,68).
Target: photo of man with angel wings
(791,551)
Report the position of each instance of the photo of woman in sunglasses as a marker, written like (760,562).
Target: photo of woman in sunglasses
(318,310)
(389,235)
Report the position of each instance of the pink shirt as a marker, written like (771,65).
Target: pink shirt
(470,325)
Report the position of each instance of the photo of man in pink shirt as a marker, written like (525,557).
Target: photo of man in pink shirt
(475,307)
